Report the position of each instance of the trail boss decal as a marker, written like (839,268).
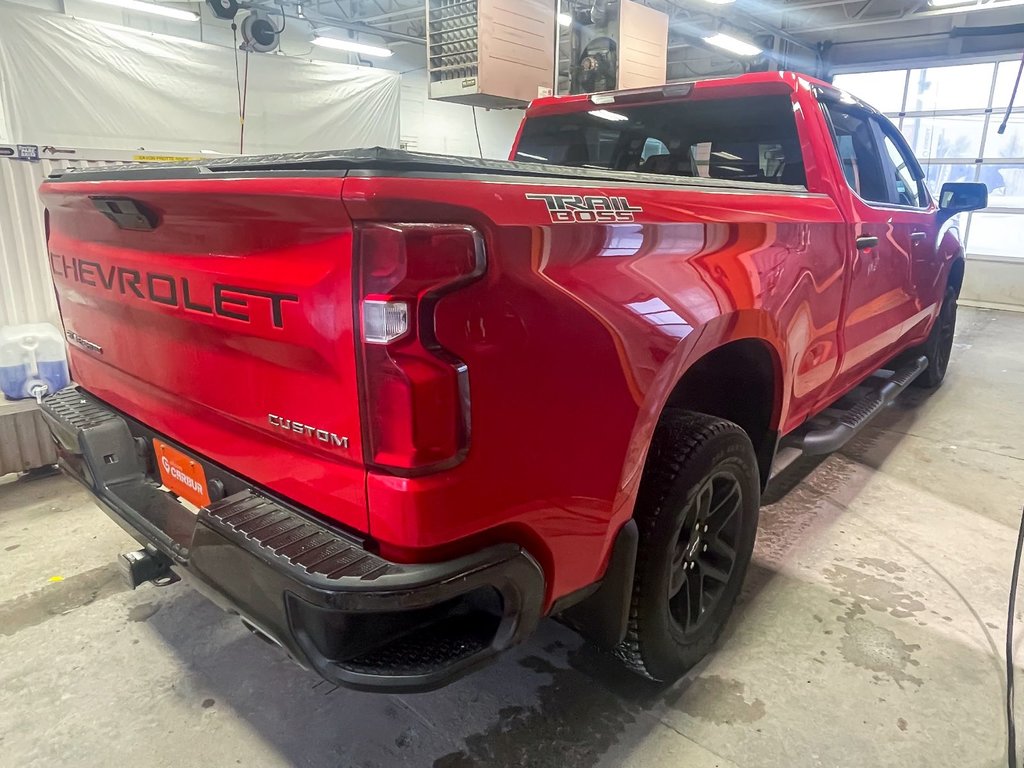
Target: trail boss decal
(587,209)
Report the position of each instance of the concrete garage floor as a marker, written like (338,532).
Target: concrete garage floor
(869,632)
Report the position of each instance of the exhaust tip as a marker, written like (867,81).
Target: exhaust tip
(260,633)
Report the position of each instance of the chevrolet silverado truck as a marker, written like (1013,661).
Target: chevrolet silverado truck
(393,409)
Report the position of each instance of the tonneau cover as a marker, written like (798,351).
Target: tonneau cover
(382,161)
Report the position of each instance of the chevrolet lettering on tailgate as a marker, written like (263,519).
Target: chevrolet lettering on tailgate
(230,301)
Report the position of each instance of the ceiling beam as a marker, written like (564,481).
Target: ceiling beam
(738,19)
(795,7)
(418,11)
(319,20)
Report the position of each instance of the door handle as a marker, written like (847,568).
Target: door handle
(864,242)
(917,237)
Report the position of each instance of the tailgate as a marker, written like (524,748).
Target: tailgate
(219,313)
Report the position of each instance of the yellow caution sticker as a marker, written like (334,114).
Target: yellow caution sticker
(164,158)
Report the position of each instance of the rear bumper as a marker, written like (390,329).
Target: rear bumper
(321,593)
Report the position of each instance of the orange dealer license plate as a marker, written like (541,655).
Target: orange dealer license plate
(182,475)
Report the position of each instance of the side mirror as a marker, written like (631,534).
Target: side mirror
(958,196)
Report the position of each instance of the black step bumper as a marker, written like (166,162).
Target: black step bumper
(321,593)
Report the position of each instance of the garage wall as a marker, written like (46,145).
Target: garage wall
(426,126)
(68,81)
(950,116)
(437,126)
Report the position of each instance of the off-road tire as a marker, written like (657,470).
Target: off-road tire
(939,344)
(690,452)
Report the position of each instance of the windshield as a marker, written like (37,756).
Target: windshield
(750,139)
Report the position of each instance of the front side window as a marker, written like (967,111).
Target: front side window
(907,187)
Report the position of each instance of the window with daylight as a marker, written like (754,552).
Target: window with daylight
(949,116)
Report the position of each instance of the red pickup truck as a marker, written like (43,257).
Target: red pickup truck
(393,409)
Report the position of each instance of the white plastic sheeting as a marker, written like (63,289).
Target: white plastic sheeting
(81,83)
(26,293)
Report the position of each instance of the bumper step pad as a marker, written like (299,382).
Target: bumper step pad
(298,542)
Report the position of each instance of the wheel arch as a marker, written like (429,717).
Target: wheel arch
(725,350)
(715,379)
(956,272)
(722,383)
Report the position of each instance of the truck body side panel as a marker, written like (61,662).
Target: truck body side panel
(577,335)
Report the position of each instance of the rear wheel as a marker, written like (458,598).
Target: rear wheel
(939,345)
(697,514)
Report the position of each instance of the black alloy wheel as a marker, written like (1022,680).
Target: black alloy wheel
(705,551)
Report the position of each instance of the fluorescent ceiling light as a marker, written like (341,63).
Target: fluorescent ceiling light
(732,44)
(604,114)
(352,47)
(158,10)
(565,19)
(727,155)
(968,6)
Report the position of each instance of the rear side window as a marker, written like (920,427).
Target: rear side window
(743,139)
(877,165)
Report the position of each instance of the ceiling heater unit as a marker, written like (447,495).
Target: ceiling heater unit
(614,45)
(490,53)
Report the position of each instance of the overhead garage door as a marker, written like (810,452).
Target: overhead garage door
(950,116)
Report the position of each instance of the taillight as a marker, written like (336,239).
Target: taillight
(415,393)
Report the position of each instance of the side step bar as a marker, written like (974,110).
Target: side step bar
(860,415)
(850,422)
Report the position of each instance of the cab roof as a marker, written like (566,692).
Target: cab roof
(749,84)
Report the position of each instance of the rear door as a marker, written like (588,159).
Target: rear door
(881,299)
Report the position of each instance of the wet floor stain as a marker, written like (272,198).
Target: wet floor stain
(720,700)
(887,566)
(574,723)
(406,738)
(60,597)
(878,649)
(143,612)
(875,592)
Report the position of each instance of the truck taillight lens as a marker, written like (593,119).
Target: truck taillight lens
(384,321)
(415,393)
